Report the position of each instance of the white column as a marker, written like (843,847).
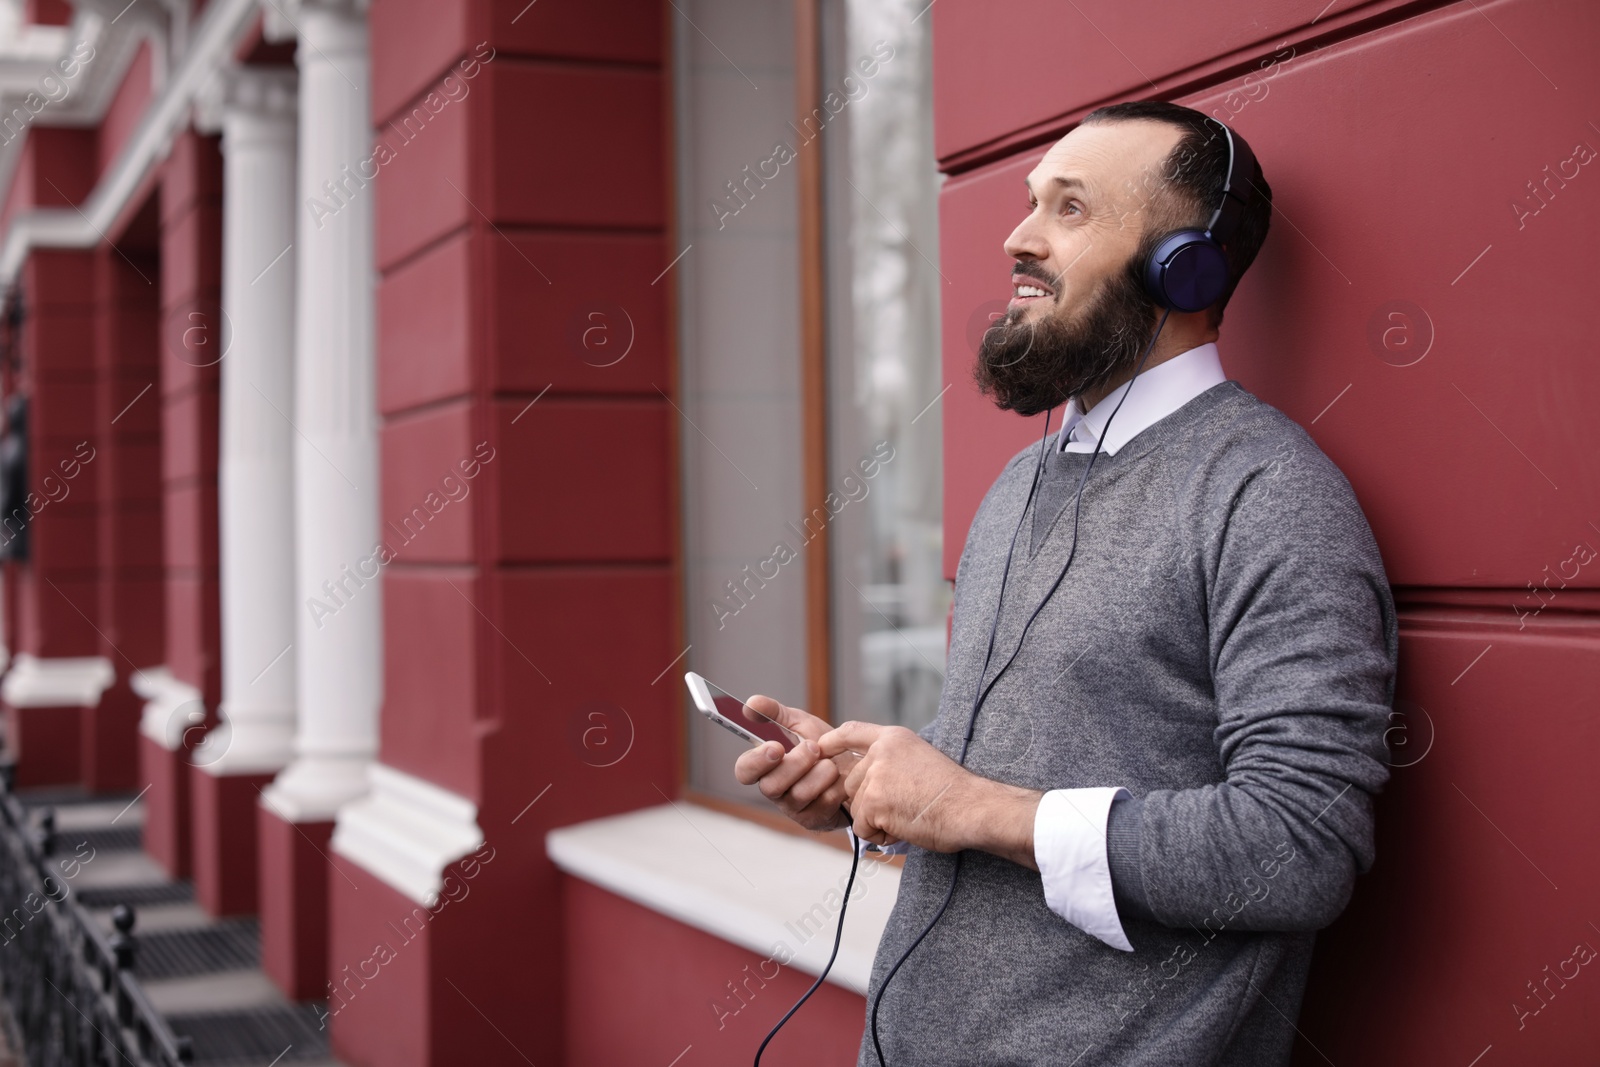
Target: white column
(337,595)
(255,109)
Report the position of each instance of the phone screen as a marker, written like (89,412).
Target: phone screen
(732,707)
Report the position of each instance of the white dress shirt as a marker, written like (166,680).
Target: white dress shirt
(1069,829)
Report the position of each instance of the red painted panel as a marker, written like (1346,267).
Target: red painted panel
(577,313)
(224,838)
(62,413)
(432,467)
(192,621)
(628,31)
(604,125)
(191,266)
(139,458)
(414,44)
(166,807)
(190,240)
(48,12)
(1006,67)
(1309,320)
(63,472)
(58,611)
(669,981)
(65,165)
(426,313)
(109,739)
(580,314)
(420,166)
(139,626)
(578,692)
(1480,882)
(294,903)
(59,280)
(127,107)
(191,526)
(488,1007)
(18,196)
(193,172)
(44,742)
(63,337)
(431,700)
(65,538)
(581,480)
(189,435)
(380,1009)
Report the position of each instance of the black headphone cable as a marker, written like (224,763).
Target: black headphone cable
(983,690)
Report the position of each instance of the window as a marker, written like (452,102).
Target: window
(809,363)
(890,599)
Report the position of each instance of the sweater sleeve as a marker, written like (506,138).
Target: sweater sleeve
(1302,642)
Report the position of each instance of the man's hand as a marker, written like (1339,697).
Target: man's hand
(904,789)
(805,785)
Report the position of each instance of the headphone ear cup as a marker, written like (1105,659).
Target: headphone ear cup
(1187,271)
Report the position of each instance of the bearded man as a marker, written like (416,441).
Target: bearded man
(1151,777)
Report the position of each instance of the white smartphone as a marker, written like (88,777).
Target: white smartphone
(730,713)
(736,716)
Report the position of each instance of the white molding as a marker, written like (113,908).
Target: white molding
(739,881)
(91,90)
(164,694)
(221,26)
(406,831)
(64,682)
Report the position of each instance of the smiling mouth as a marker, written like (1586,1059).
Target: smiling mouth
(1027,292)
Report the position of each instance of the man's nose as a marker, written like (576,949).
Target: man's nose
(1026,243)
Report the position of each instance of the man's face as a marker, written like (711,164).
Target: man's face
(1079,315)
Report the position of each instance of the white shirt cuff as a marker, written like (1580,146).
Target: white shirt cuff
(859,845)
(1069,845)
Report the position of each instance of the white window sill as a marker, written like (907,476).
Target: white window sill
(772,893)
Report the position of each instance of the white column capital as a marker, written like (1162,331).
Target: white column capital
(284,20)
(254,91)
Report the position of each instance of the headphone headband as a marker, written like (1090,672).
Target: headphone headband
(1237,188)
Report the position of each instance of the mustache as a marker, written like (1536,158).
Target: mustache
(1038,274)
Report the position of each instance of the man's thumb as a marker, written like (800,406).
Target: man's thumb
(759,707)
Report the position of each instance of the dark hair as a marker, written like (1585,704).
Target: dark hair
(1194,172)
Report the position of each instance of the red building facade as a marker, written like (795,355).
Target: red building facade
(364,564)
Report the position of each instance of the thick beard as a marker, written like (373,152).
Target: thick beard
(1029,367)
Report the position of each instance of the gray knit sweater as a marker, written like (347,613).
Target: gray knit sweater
(1223,646)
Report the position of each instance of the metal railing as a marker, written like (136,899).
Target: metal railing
(69,984)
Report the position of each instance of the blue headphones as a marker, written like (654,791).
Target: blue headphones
(1187,270)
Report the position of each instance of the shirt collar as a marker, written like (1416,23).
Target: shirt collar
(1163,389)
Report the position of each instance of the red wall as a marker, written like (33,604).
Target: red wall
(56,590)
(642,988)
(191,280)
(128,482)
(1397,139)
(546,589)
(127,106)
